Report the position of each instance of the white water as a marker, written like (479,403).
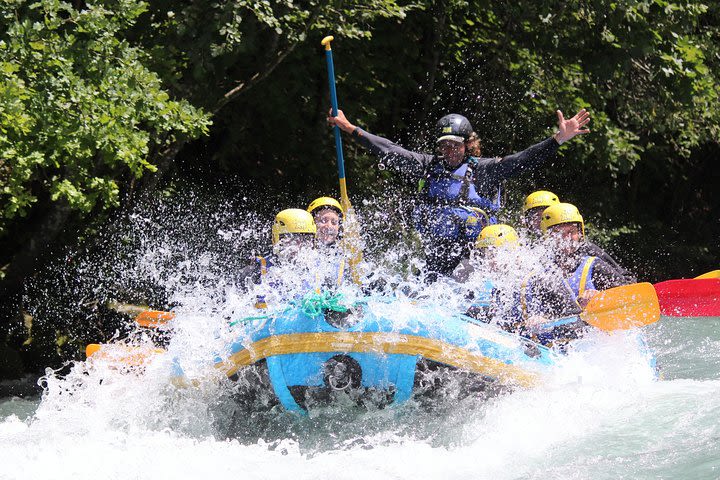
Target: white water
(601,415)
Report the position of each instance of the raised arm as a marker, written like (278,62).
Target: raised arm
(495,170)
(407,163)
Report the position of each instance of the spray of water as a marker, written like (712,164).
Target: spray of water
(140,422)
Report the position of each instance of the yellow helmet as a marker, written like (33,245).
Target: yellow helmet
(497,236)
(541,198)
(325,202)
(292,220)
(560,213)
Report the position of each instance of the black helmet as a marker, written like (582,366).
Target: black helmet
(453,127)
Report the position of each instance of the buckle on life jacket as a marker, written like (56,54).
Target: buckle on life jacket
(476,220)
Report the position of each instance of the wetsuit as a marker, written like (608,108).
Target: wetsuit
(256,268)
(548,295)
(254,273)
(449,191)
(590,249)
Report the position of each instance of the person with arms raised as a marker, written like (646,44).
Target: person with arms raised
(458,192)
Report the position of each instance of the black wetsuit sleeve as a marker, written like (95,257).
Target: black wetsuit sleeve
(492,171)
(594,250)
(604,276)
(462,272)
(411,165)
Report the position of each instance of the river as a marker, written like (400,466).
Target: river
(606,416)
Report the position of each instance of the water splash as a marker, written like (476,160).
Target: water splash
(601,412)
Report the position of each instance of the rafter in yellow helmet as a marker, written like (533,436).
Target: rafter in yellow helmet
(497,236)
(540,198)
(560,213)
(292,220)
(325,202)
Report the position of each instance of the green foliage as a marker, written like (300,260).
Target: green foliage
(79,109)
(209,49)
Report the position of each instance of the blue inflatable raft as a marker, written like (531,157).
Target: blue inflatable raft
(376,352)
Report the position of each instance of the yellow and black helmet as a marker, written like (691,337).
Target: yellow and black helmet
(560,213)
(325,202)
(541,198)
(499,235)
(292,220)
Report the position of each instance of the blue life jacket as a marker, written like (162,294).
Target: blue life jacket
(452,206)
(581,279)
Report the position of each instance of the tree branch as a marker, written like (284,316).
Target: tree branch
(258,76)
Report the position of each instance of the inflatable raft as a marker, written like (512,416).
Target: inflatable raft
(376,352)
(381,351)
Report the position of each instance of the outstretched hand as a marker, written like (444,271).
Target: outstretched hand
(341,122)
(567,129)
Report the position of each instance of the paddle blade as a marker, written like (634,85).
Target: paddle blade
(689,298)
(91,349)
(713,274)
(122,355)
(153,318)
(621,308)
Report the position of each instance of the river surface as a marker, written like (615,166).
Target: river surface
(604,416)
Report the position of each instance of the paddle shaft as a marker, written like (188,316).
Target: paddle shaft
(352,234)
(344,199)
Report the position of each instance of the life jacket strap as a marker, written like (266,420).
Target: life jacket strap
(585,274)
(263,265)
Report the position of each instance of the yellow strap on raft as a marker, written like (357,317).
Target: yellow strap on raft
(382,343)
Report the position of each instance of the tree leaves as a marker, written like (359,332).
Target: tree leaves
(78,107)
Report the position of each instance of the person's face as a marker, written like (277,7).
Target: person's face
(568,236)
(489,258)
(327,221)
(532,219)
(453,152)
(291,244)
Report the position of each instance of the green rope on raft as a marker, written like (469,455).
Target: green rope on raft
(314,303)
(248,319)
(311,304)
